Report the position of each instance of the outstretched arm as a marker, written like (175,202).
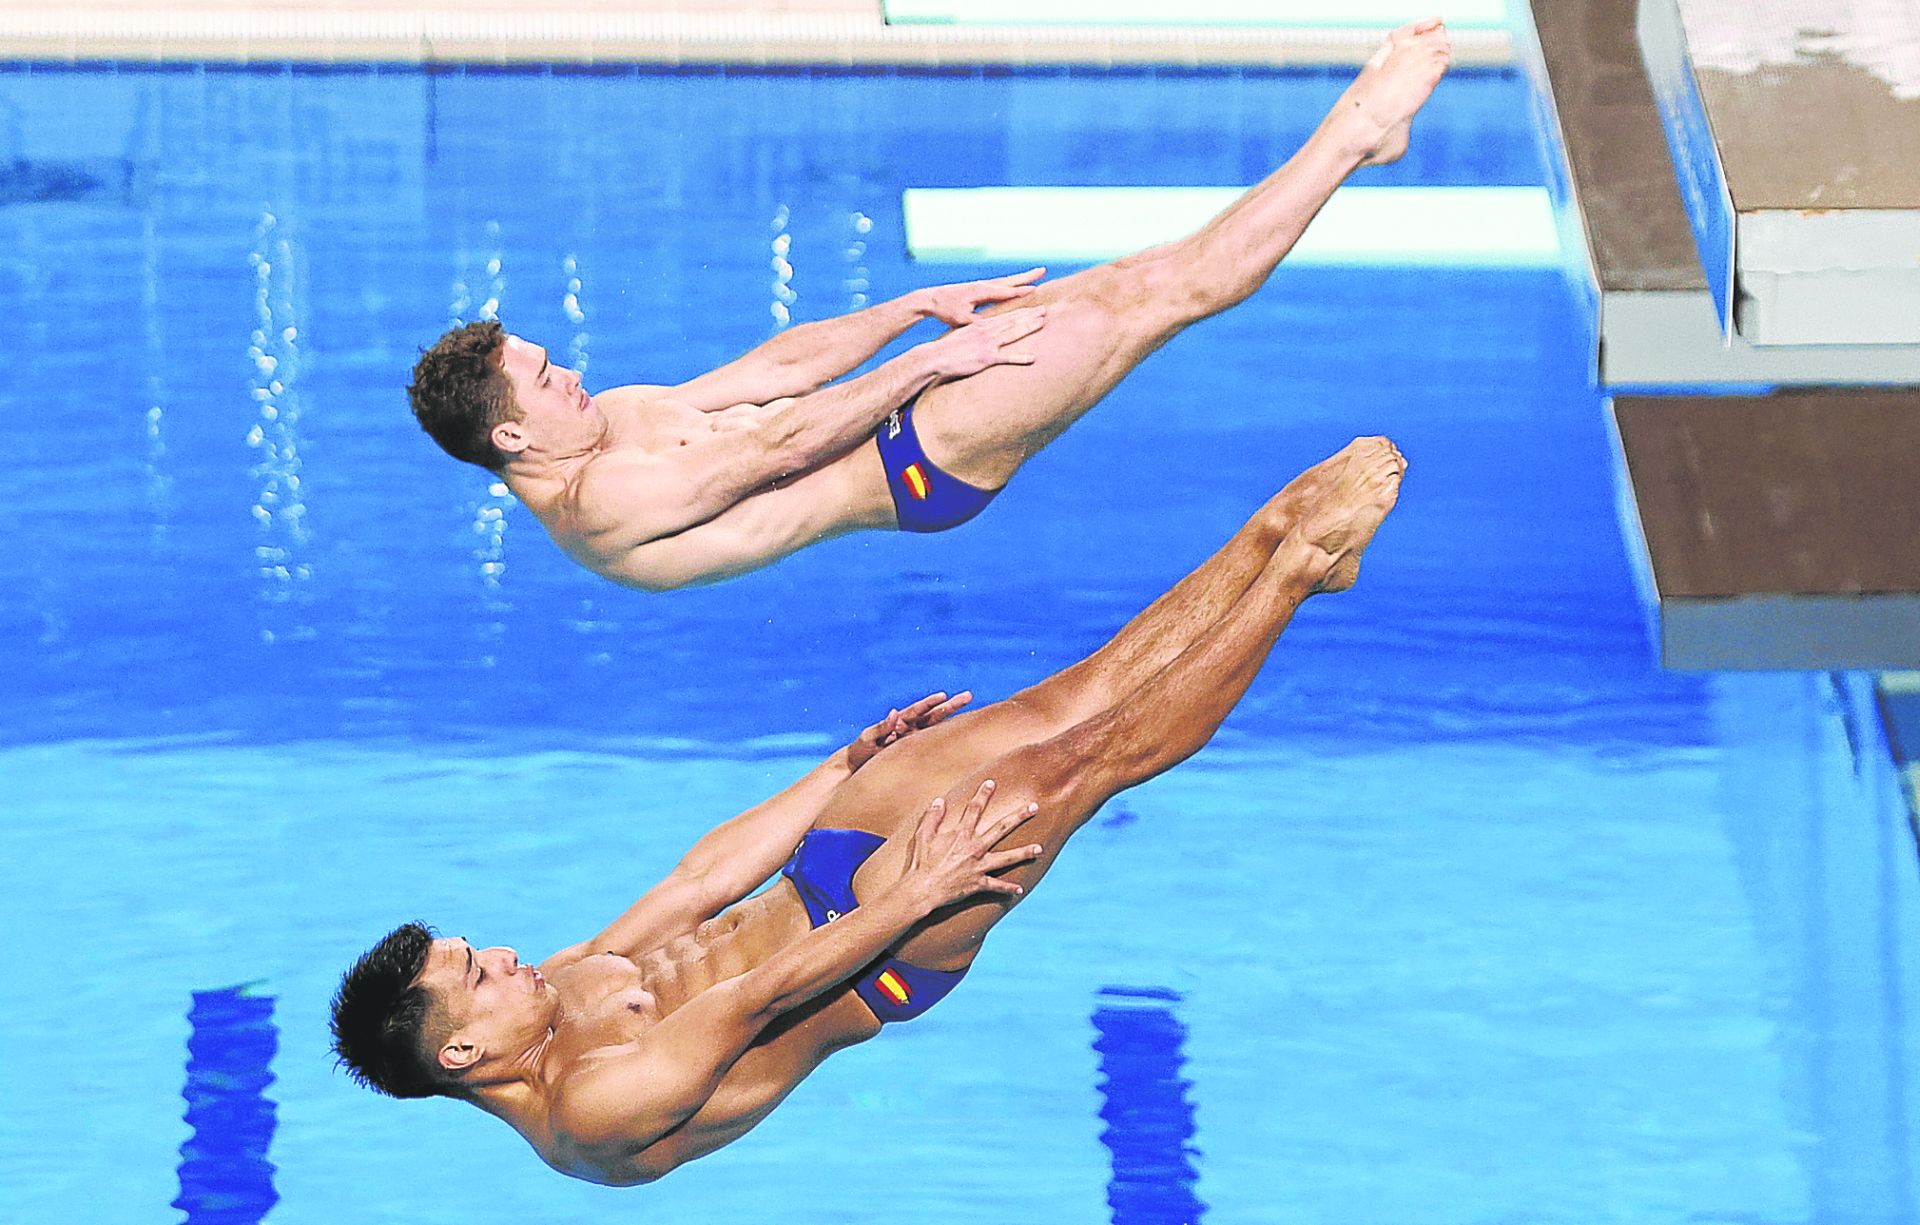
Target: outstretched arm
(736,857)
(627,500)
(640,1095)
(807,357)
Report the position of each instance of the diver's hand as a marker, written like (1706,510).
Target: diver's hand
(952,856)
(955,304)
(932,709)
(994,341)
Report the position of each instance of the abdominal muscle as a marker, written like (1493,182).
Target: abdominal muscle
(784,1054)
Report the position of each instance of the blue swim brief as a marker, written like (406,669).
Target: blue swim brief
(822,871)
(925,499)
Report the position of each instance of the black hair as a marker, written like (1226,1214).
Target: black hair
(381,1017)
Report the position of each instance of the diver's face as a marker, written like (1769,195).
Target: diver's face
(557,416)
(498,1006)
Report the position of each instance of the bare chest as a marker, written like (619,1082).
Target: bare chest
(613,998)
(606,1002)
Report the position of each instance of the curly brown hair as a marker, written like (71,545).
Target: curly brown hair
(460,392)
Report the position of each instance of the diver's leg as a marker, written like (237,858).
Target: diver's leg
(1159,724)
(1104,321)
(1171,623)
(1142,647)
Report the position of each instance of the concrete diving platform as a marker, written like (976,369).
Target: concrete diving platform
(1811,110)
(1743,179)
(1739,181)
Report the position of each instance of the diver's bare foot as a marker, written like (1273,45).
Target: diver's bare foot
(1376,113)
(1284,510)
(1343,522)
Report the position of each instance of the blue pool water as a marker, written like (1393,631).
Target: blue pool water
(1470,913)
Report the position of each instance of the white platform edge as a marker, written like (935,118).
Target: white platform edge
(1848,276)
(1461,15)
(1786,632)
(1476,227)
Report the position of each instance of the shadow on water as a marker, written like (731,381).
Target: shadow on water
(225,1177)
(1149,1119)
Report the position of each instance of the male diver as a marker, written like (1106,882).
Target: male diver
(684,1023)
(662,487)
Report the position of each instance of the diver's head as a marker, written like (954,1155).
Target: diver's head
(487,396)
(419,1016)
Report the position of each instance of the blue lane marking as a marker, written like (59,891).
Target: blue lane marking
(225,1177)
(1149,1118)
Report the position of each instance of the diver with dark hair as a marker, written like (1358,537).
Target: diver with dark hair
(683,1024)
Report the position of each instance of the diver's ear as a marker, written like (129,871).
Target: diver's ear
(508,438)
(458,1056)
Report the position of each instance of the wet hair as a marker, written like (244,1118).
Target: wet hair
(460,392)
(381,1017)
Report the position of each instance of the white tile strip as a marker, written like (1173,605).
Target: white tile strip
(392,35)
(1343,14)
(1477,227)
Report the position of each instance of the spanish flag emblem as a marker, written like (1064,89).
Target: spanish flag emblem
(916,482)
(891,985)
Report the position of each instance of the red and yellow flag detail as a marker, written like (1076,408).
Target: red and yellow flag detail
(889,983)
(916,482)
